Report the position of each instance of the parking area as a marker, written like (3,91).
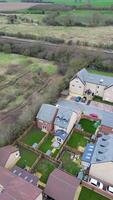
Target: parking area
(102,106)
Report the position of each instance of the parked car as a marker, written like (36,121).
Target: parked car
(77,99)
(96,183)
(109,189)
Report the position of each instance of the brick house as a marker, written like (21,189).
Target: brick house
(45,117)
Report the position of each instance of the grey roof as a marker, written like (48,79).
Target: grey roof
(27,176)
(105,116)
(63,117)
(86,76)
(47,113)
(103,151)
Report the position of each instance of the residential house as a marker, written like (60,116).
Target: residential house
(62,186)
(66,118)
(46,116)
(9,155)
(99,85)
(99,158)
(14,187)
(105,116)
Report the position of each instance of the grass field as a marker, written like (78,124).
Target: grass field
(90,195)
(93,2)
(77,140)
(45,167)
(33,136)
(69,165)
(88,125)
(27,158)
(103,35)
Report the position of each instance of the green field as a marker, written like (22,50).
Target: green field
(45,167)
(87,194)
(93,2)
(77,140)
(27,158)
(33,136)
(69,165)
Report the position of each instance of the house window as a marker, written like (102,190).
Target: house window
(79,86)
(59,139)
(73,85)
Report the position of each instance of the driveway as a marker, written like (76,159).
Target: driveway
(102,106)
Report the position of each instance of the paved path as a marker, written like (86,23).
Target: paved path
(102,106)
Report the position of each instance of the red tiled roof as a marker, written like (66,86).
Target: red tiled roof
(16,188)
(61,185)
(5,152)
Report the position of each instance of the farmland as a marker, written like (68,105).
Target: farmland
(93,2)
(15,6)
(103,34)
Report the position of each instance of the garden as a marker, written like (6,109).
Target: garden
(33,136)
(46,146)
(89,194)
(27,158)
(89,126)
(77,141)
(71,163)
(44,167)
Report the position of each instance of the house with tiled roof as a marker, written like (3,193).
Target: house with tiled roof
(13,187)
(46,117)
(99,158)
(62,186)
(9,156)
(98,85)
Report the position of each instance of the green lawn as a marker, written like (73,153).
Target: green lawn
(33,136)
(99,99)
(77,140)
(68,164)
(45,167)
(87,194)
(101,73)
(27,158)
(88,125)
(46,145)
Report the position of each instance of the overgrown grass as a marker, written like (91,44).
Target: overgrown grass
(45,167)
(90,195)
(77,140)
(69,165)
(27,158)
(33,136)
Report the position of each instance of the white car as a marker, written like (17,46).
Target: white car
(109,189)
(96,183)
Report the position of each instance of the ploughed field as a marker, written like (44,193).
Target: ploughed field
(12,6)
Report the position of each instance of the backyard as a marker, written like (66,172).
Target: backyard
(33,136)
(45,167)
(27,158)
(77,141)
(69,164)
(90,195)
(88,125)
(47,145)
